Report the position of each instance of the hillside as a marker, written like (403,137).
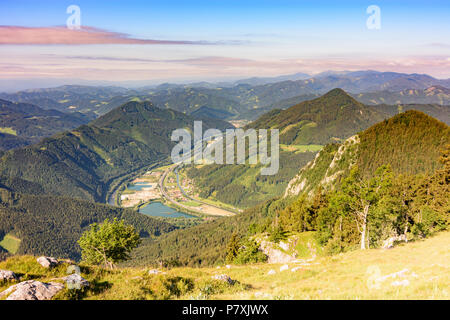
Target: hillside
(415,270)
(304,129)
(69,98)
(409,142)
(210,240)
(206,112)
(330,118)
(432,95)
(423,143)
(84,162)
(29,123)
(246,99)
(11,141)
(439,112)
(49,225)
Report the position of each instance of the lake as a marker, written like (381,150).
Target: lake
(158,209)
(138,186)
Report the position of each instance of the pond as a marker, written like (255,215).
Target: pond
(138,186)
(158,209)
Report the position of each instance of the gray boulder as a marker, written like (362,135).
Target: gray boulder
(47,262)
(6,275)
(224,278)
(32,290)
(75,281)
(390,242)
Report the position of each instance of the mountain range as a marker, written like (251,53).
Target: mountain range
(23,124)
(74,170)
(304,129)
(410,142)
(248,98)
(84,162)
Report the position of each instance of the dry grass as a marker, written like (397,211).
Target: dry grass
(350,275)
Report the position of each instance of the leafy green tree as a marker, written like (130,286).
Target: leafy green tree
(359,197)
(108,243)
(249,253)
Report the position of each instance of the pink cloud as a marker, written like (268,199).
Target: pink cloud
(12,35)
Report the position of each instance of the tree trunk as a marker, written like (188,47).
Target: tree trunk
(363,236)
(364,227)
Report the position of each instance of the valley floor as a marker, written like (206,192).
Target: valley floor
(418,270)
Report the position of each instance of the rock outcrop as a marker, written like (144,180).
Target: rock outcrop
(389,243)
(273,254)
(224,278)
(48,262)
(6,275)
(32,290)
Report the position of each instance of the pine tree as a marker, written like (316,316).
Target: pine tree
(232,247)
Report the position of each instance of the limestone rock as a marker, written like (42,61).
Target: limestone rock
(284,267)
(75,281)
(400,283)
(6,275)
(224,278)
(154,271)
(32,290)
(47,262)
(389,243)
(275,255)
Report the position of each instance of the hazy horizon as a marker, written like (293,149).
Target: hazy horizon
(175,41)
(14,85)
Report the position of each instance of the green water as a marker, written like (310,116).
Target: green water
(158,209)
(138,186)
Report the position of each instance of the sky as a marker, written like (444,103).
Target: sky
(159,41)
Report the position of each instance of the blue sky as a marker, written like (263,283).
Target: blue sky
(243,38)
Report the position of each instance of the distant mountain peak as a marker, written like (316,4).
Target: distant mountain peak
(340,96)
(336,92)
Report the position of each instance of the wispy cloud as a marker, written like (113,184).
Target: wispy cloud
(439,45)
(136,66)
(105,58)
(14,35)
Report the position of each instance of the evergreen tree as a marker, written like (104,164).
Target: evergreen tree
(232,248)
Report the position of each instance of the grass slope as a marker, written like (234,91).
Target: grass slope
(351,275)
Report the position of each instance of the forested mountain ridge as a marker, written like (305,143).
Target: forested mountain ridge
(68,98)
(83,162)
(29,123)
(409,142)
(49,225)
(331,117)
(304,129)
(246,99)
(431,95)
